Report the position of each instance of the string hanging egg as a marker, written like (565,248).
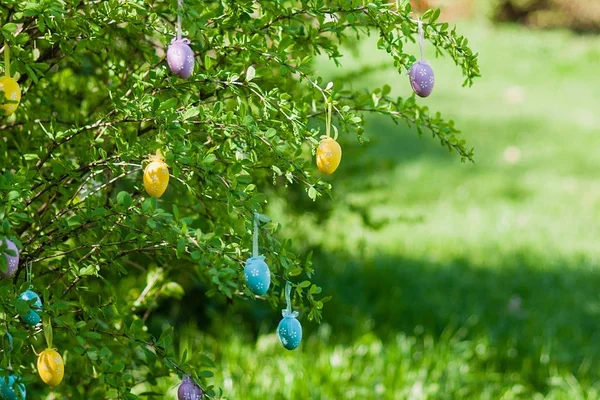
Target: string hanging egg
(50,364)
(51,367)
(12,95)
(12,388)
(329,155)
(289,330)
(11,92)
(188,390)
(32,318)
(12,260)
(258,275)
(256,271)
(329,151)
(422,78)
(11,385)
(180,56)
(156,176)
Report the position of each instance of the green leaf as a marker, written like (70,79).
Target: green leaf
(124,199)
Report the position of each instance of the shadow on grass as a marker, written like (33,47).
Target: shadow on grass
(535,315)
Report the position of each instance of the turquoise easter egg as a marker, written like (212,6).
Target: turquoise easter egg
(31,318)
(12,388)
(289,332)
(258,275)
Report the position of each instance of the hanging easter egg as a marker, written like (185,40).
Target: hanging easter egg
(156,177)
(188,390)
(180,58)
(289,331)
(12,261)
(421,78)
(258,275)
(51,367)
(12,95)
(329,155)
(12,388)
(32,317)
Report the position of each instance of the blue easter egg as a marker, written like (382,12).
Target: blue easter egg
(289,332)
(32,318)
(258,275)
(11,388)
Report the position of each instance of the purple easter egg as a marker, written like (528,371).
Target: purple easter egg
(188,390)
(421,78)
(13,261)
(180,58)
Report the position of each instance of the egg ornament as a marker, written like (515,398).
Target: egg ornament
(11,95)
(51,367)
(180,58)
(329,155)
(156,176)
(258,275)
(32,318)
(12,388)
(289,330)
(12,260)
(188,390)
(422,78)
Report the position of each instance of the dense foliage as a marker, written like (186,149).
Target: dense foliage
(98,99)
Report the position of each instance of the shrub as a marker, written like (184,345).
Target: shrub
(98,98)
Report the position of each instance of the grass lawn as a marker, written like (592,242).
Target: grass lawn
(452,280)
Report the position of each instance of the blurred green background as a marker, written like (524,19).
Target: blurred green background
(449,280)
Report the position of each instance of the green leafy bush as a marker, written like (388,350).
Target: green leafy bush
(98,98)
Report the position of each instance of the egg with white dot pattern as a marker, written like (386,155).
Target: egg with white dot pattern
(258,275)
(32,317)
(12,95)
(422,78)
(12,388)
(51,367)
(188,390)
(13,261)
(156,178)
(289,332)
(180,58)
(329,155)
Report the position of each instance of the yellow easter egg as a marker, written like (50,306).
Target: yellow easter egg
(12,95)
(51,367)
(156,178)
(329,155)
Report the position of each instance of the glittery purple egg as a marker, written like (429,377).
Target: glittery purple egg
(13,261)
(180,58)
(188,390)
(421,78)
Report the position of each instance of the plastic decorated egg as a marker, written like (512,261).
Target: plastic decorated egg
(156,178)
(258,275)
(180,58)
(12,95)
(12,388)
(289,331)
(13,261)
(421,78)
(51,367)
(32,317)
(329,155)
(188,390)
